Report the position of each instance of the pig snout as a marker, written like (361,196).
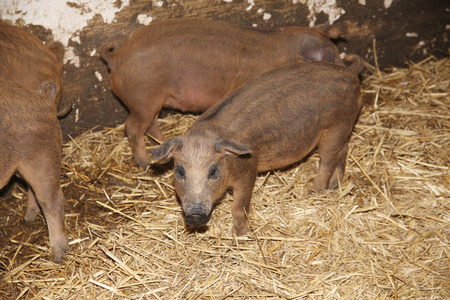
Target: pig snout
(196,215)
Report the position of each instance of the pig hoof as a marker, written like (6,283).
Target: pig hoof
(31,215)
(59,251)
(317,188)
(142,162)
(240,230)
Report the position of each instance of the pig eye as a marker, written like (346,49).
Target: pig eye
(180,173)
(213,173)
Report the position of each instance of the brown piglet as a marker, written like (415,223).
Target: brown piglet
(270,123)
(30,139)
(190,64)
(26,60)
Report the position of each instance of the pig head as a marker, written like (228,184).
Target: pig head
(201,172)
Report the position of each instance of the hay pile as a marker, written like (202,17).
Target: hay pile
(383,234)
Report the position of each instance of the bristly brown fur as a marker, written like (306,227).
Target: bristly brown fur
(383,234)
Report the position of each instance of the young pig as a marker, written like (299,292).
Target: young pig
(25,60)
(30,139)
(189,64)
(272,122)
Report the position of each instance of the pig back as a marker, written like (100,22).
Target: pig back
(281,113)
(197,58)
(28,123)
(26,60)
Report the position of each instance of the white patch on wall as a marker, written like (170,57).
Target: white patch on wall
(70,57)
(98,75)
(412,34)
(76,39)
(267,16)
(144,19)
(388,3)
(64,19)
(362,2)
(328,7)
(251,4)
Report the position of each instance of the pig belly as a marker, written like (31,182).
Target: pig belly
(268,159)
(193,98)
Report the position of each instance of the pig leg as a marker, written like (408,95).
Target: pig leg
(143,120)
(45,184)
(331,152)
(135,127)
(53,209)
(5,174)
(340,169)
(154,131)
(242,194)
(32,207)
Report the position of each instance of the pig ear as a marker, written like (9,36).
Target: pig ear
(48,90)
(231,148)
(163,153)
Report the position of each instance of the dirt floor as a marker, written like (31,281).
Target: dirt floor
(384,234)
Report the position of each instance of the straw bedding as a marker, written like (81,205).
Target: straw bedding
(384,234)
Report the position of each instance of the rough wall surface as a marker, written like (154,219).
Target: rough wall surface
(404,31)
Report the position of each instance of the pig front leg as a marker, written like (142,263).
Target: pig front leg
(242,195)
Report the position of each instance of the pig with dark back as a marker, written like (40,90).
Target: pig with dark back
(190,64)
(30,147)
(26,60)
(271,123)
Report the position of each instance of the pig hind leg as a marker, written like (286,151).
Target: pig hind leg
(332,153)
(33,208)
(154,131)
(7,171)
(338,175)
(46,188)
